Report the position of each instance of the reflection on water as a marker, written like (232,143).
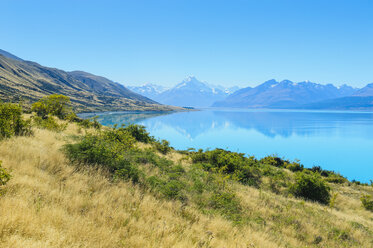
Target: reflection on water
(340,141)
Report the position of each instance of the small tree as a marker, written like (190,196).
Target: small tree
(310,186)
(57,105)
(11,121)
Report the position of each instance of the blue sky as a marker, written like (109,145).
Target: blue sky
(222,42)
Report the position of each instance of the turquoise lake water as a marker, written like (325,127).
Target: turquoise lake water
(339,141)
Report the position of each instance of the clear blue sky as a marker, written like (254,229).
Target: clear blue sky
(222,42)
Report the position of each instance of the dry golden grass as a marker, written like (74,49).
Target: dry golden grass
(49,203)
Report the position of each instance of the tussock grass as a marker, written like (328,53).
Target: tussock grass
(50,203)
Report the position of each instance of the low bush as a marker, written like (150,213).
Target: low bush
(105,148)
(235,165)
(227,204)
(294,166)
(273,160)
(173,190)
(4,175)
(367,202)
(170,189)
(336,179)
(88,123)
(162,146)
(247,175)
(311,186)
(277,182)
(282,163)
(49,123)
(11,121)
(139,133)
(127,171)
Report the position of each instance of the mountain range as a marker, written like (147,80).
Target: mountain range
(189,93)
(303,95)
(29,81)
(271,94)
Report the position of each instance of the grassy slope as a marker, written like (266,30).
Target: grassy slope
(48,203)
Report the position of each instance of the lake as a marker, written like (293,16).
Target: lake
(339,141)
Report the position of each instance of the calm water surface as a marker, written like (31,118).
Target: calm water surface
(339,141)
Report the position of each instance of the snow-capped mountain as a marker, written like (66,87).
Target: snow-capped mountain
(189,93)
(192,93)
(284,94)
(149,90)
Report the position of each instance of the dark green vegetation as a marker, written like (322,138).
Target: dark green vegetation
(11,121)
(367,202)
(310,186)
(29,81)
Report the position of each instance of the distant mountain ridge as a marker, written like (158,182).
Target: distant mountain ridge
(29,81)
(366,91)
(362,99)
(284,94)
(189,93)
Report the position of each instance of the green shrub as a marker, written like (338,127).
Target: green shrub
(227,204)
(139,133)
(4,175)
(127,171)
(162,146)
(336,179)
(367,202)
(277,182)
(273,160)
(11,121)
(236,165)
(247,175)
(310,186)
(294,166)
(88,123)
(50,123)
(105,148)
(173,190)
(55,104)
(170,189)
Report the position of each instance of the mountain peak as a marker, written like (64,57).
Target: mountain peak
(190,78)
(191,81)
